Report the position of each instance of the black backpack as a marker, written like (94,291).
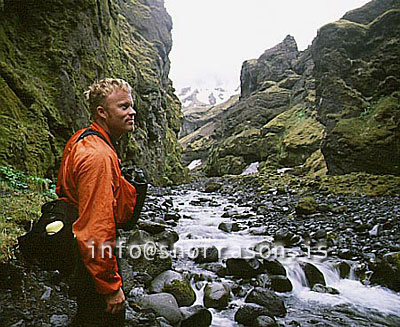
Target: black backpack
(50,243)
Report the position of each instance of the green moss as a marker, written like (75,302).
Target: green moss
(21,200)
(182,291)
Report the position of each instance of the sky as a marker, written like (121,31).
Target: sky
(212,38)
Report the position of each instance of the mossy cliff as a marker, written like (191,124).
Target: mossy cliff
(51,51)
(357,71)
(334,107)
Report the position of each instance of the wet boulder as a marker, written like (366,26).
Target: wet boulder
(243,268)
(207,255)
(151,227)
(149,259)
(174,283)
(248,312)
(280,283)
(324,289)
(386,273)
(268,299)
(344,269)
(274,267)
(313,274)
(229,227)
(167,238)
(265,321)
(196,315)
(286,238)
(216,295)
(163,304)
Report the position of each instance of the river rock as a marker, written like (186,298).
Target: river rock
(164,304)
(313,274)
(247,313)
(325,289)
(150,260)
(207,255)
(274,267)
(265,321)
(172,216)
(386,274)
(196,315)
(243,268)
(306,206)
(229,227)
(286,238)
(167,238)
(151,227)
(280,283)
(268,299)
(344,269)
(216,295)
(174,283)
(139,237)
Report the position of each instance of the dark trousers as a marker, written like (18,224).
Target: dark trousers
(91,305)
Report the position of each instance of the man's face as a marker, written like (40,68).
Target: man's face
(119,114)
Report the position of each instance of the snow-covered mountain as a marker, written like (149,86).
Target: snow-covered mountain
(204,97)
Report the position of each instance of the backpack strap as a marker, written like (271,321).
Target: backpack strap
(88,132)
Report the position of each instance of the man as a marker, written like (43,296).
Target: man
(90,179)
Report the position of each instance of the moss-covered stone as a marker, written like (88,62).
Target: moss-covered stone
(182,291)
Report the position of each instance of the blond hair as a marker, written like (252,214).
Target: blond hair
(100,90)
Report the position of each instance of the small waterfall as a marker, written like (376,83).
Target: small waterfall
(355,305)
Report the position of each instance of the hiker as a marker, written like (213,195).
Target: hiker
(90,179)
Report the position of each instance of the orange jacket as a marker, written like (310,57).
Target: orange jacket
(90,179)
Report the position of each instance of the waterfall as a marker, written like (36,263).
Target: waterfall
(355,305)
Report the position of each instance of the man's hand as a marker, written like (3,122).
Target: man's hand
(115,301)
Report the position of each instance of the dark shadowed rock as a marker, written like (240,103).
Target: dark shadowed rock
(207,255)
(247,313)
(229,227)
(243,268)
(196,315)
(268,299)
(313,274)
(280,283)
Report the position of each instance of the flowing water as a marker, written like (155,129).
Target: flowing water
(356,305)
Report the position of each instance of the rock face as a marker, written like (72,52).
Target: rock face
(357,77)
(333,108)
(274,120)
(50,52)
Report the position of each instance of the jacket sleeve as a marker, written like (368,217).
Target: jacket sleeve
(95,230)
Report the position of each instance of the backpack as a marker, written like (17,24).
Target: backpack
(50,243)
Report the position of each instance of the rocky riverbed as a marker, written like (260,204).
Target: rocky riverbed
(226,252)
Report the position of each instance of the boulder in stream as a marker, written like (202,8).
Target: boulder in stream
(196,315)
(249,312)
(313,274)
(207,255)
(268,299)
(163,304)
(216,295)
(174,283)
(243,268)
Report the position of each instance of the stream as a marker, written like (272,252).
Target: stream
(355,305)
